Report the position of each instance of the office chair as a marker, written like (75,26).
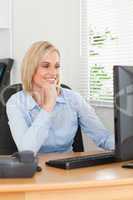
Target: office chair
(5,141)
(7,144)
(5,68)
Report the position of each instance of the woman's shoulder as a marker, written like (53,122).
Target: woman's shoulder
(71,94)
(18,98)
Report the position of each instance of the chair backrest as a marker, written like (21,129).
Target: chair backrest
(5,68)
(2,71)
(7,144)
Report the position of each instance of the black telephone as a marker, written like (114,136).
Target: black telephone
(19,165)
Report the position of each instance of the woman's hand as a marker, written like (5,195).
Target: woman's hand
(50,95)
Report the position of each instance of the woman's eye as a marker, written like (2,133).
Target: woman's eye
(57,66)
(45,66)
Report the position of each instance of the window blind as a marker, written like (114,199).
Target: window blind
(106,39)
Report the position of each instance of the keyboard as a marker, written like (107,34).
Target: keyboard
(82,161)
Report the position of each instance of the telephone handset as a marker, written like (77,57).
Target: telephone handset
(22,164)
(24,156)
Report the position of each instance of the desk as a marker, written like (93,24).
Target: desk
(105,182)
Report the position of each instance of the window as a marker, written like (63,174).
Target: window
(6,28)
(106,40)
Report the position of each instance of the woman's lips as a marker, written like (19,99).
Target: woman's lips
(51,80)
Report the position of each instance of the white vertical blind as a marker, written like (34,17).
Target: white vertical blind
(106,40)
(84,46)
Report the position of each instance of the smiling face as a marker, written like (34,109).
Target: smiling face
(48,70)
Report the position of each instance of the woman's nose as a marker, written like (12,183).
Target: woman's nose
(53,72)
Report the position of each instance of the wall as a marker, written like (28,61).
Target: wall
(57,21)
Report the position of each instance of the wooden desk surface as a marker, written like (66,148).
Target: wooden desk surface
(98,182)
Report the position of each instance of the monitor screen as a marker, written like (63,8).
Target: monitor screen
(123,111)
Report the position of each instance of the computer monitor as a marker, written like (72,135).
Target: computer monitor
(123,111)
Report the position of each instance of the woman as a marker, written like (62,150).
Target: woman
(44,117)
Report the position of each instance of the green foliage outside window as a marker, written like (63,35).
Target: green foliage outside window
(101,75)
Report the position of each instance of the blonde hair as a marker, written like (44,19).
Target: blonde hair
(31,61)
